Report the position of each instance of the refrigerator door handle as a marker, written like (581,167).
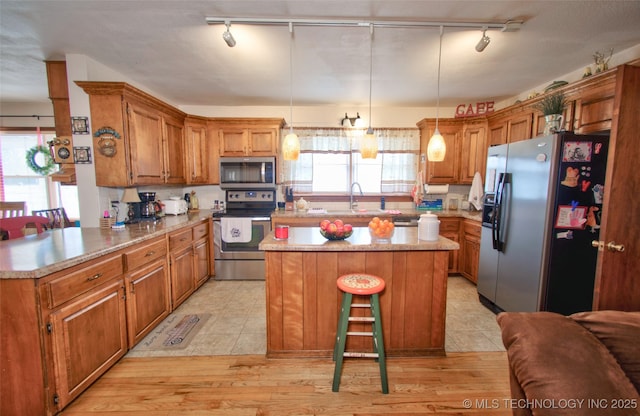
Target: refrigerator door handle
(498,244)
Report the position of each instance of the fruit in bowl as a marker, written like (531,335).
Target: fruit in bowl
(381,229)
(335,230)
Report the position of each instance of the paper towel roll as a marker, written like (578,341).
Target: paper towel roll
(436,189)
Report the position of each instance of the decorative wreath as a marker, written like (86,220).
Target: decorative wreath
(49,165)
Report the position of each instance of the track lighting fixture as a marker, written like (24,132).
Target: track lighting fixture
(227,36)
(484,41)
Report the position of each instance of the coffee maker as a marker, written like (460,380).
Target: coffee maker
(147,205)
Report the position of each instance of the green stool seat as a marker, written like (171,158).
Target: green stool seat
(363,285)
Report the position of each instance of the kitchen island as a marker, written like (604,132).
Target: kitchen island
(303,301)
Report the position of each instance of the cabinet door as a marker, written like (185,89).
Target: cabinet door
(145,145)
(233,141)
(201,266)
(446,171)
(520,127)
(450,228)
(174,151)
(88,337)
(182,280)
(263,142)
(148,299)
(470,248)
(197,153)
(497,132)
(473,154)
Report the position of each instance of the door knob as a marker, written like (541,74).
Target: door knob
(611,246)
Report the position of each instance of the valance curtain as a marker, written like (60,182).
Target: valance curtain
(396,164)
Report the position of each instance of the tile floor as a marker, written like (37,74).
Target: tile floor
(237,324)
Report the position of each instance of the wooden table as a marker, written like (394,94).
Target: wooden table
(303,300)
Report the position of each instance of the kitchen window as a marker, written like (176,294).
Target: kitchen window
(19,183)
(330,162)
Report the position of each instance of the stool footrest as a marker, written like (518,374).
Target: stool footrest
(361,354)
(360,305)
(362,334)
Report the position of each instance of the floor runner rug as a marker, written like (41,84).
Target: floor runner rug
(175,332)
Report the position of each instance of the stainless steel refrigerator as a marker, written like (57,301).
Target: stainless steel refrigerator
(542,208)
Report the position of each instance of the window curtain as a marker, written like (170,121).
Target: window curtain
(398,156)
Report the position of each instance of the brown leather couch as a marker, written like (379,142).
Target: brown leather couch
(584,364)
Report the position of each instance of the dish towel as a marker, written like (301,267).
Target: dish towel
(236,230)
(477,192)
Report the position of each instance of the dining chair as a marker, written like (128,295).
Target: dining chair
(13,227)
(57,217)
(12,209)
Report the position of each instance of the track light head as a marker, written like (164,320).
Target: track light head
(483,42)
(228,37)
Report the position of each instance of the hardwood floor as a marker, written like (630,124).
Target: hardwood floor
(253,385)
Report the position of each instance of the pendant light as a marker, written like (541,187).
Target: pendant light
(369,143)
(291,144)
(436,149)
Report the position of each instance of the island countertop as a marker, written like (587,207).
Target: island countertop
(38,255)
(310,239)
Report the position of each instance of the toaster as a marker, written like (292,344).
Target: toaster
(175,207)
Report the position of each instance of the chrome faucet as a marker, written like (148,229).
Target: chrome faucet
(352,204)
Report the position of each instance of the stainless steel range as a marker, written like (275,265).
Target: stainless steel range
(238,231)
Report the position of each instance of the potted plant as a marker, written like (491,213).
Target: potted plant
(552,107)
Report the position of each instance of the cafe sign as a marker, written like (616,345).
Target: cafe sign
(474,110)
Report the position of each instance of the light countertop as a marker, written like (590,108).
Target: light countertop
(310,239)
(403,213)
(38,255)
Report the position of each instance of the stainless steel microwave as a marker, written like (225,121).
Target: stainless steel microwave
(248,172)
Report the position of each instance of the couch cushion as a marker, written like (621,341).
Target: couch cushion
(562,367)
(620,333)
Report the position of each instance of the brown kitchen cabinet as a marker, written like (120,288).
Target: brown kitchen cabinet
(513,127)
(137,139)
(594,106)
(470,249)
(202,248)
(147,286)
(85,318)
(248,136)
(201,152)
(473,150)
(447,171)
(190,259)
(450,228)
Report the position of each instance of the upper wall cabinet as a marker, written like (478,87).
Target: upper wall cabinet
(248,136)
(202,152)
(446,171)
(137,139)
(466,149)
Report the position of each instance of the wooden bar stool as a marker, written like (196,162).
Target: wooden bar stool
(363,285)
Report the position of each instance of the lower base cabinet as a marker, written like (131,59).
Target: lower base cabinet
(68,328)
(470,250)
(450,228)
(88,336)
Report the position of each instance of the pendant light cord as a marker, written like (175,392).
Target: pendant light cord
(370,71)
(438,87)
(291,77)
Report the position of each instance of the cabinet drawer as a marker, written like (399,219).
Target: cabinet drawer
(472,228)
(449,224)
(180,239)
(200,231)
(145,254)
(80,281)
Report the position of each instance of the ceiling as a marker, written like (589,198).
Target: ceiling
(167,48)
